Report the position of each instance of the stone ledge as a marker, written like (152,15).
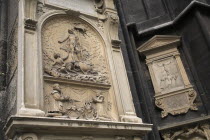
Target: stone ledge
(17,124)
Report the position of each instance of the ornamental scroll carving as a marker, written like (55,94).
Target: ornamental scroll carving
(174,93)
(77,83)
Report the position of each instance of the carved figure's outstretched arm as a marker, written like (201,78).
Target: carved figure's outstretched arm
(61,41)
(65,58)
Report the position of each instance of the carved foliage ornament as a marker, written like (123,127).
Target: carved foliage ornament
(200,132)
(173,92)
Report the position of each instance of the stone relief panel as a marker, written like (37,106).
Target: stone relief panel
(174,93)
(167,75)
(73,50)
(76,102)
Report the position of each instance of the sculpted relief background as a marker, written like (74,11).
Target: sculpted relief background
(168,75)
(77,82)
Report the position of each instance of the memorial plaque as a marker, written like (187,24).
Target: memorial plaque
(173,92)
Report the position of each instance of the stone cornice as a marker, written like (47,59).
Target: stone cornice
(67,126)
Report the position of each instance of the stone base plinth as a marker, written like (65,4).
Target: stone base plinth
(44,128)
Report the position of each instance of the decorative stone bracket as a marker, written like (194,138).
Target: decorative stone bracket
(173,91)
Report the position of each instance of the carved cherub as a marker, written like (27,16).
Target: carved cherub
(60,62)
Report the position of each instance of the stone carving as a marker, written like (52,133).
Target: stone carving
(113,20)
(177,104)
(113,17)
(99,5)
(57,106)
(42,9)
(84,107)
(173,92)
(100,25)
(168,75)
(75,57)
(199,132)
(101,113)
(30,24)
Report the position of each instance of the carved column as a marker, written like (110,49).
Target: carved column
(29,100)
(173,91)
(124,97)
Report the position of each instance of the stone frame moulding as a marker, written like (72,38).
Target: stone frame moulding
(30,74)
(33,80)
(174,93)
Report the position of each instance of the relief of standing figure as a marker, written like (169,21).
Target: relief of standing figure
(101,112)
(57,109)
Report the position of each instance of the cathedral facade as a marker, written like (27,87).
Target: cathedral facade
(104,70)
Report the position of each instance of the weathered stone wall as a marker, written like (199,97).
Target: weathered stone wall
(8,59)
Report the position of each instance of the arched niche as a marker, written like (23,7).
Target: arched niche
(76,70)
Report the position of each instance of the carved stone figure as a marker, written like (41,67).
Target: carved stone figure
(101,112)
(167,75)
(99,4)
(57,106)
(87,111)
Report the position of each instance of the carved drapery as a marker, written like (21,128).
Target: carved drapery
(173,92)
